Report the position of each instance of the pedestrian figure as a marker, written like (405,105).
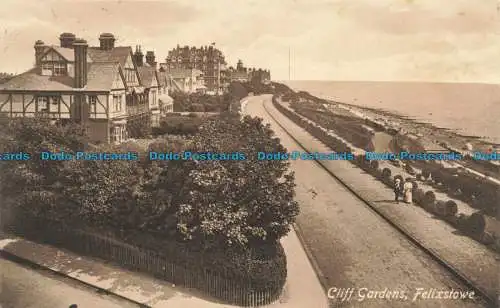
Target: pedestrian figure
(397,189)
(408,191)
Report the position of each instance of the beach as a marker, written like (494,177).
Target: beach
(469,113)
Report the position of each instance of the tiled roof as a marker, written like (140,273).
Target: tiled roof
(66,53)
(100,76)
(118,54)
(31,81)
(147,74)
(183,73)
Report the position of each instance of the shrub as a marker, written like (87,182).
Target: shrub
(429,198)
(227,202)
(475,224)
(386,173)
(374,164)
(36,184)
(179,125)
(419,195)
(139,127)
(249,271)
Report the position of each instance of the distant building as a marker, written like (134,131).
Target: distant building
(101,86)
(186,80)
(243,74)
(240,73)
(209,60)
(259,76)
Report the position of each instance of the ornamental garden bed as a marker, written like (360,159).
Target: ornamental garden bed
(476,228)
(478,191)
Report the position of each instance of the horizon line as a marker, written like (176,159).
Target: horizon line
(389,81)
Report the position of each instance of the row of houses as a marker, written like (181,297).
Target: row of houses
(113,89)
(108,87)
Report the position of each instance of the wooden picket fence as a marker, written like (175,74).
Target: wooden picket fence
(233,291)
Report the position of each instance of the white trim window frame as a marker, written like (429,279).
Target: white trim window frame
(92,104)
(43,104)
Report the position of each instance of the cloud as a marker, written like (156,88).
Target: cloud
(330,39)
(424,16)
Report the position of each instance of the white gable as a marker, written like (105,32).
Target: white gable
(118,82)
(154,83)
(52,56)
(129,63)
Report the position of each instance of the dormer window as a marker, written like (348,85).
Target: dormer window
(54,69)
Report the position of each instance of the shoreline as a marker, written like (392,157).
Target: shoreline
(433,137)
(430,125)
(386,127)
(447,106)
(411,125)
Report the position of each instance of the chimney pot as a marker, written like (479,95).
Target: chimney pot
(150,58)
(80,49)
(138,56)
(39,49)
(107,41)
(66,39)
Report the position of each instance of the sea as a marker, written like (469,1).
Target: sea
(468,108)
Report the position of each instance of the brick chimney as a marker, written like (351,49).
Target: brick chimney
(150,58)
(67,39)
(138,56)
(107,41)
(80,48)
(39,49)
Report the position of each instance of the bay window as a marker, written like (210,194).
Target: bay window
(117,103)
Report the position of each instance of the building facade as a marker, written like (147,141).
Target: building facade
(187,80)
(165,101)
(244,74)
(99,86)
(259,75)
(149,80)
(209,60)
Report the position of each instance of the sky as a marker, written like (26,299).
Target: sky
(374,40)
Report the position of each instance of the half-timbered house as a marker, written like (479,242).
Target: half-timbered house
(149,80)
(99,86)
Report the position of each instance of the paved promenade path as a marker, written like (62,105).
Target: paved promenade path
(25,288)
(351,245)
(301,290)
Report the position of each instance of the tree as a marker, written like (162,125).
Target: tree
(36,185)
(238,203)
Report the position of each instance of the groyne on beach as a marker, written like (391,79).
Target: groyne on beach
(469,109)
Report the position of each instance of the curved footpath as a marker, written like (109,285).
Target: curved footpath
(134,289)
(353,247)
